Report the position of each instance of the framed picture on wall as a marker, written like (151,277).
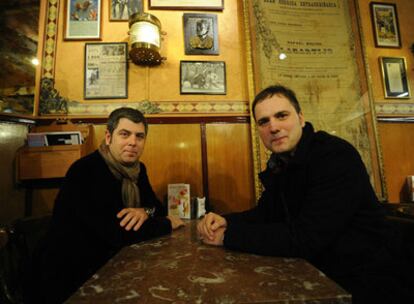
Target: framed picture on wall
(187,4)
(106,70)
(120,10)
(83,20)
(200,34)
(203,77)
(394,77)
(385,24)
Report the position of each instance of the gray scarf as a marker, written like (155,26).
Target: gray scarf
(128,175)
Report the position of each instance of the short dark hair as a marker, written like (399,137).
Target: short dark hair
(128,113)
(276,90)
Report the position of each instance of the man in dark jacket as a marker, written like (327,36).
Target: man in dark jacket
(318,204)
(105,203)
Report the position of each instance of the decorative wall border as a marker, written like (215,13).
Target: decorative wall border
(383,109)
(165,108)
(49,48)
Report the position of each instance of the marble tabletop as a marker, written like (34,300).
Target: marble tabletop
(178,268)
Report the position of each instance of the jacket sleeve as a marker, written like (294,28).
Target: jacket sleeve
(148,197)
(332,194)
(255,215)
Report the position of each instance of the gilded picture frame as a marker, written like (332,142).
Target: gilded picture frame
(394,77)
(187,4)
(385,25)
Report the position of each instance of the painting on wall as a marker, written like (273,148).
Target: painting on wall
(83,20)
(203,77)
(200,34)
(385,25)
(18,47)
(120,10)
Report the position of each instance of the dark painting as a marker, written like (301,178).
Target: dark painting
(19,20)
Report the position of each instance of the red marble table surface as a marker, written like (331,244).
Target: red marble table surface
(180,269)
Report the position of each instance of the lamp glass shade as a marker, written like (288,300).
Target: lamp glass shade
(145,41)
(145,32)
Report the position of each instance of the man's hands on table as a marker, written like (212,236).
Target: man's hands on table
(211,229)
(133,218)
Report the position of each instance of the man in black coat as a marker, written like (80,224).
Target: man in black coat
(318,204)
(105,203)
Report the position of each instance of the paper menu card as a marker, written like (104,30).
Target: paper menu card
(179,203)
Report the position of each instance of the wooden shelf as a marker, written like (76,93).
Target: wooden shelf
(52,161)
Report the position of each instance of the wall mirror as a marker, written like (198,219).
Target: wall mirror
(19,24)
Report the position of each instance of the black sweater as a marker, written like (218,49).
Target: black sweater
(85,232)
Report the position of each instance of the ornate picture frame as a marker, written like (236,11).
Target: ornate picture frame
(394,77)
(187,4)
(83,20)
(200,34)
(106,70)
(120,10)
(203,77)
(385,25)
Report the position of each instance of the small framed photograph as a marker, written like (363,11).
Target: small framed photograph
(106,70)
(385,24)
(187,4)
(203,77)
(394,77)
(83,20)
(120,10)
(200,34)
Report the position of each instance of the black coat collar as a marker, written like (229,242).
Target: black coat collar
(298,158)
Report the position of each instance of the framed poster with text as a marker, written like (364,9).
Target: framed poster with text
(394,77)
(106,70)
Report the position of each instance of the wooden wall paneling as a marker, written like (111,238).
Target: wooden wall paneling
(214,158)
(204,163)
(99,132)
(229,159)
(173,155)
(398,157)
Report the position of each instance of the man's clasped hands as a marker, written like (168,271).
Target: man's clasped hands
(211,229)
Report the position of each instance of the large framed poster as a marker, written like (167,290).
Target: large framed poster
(312,48)
(106,74)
